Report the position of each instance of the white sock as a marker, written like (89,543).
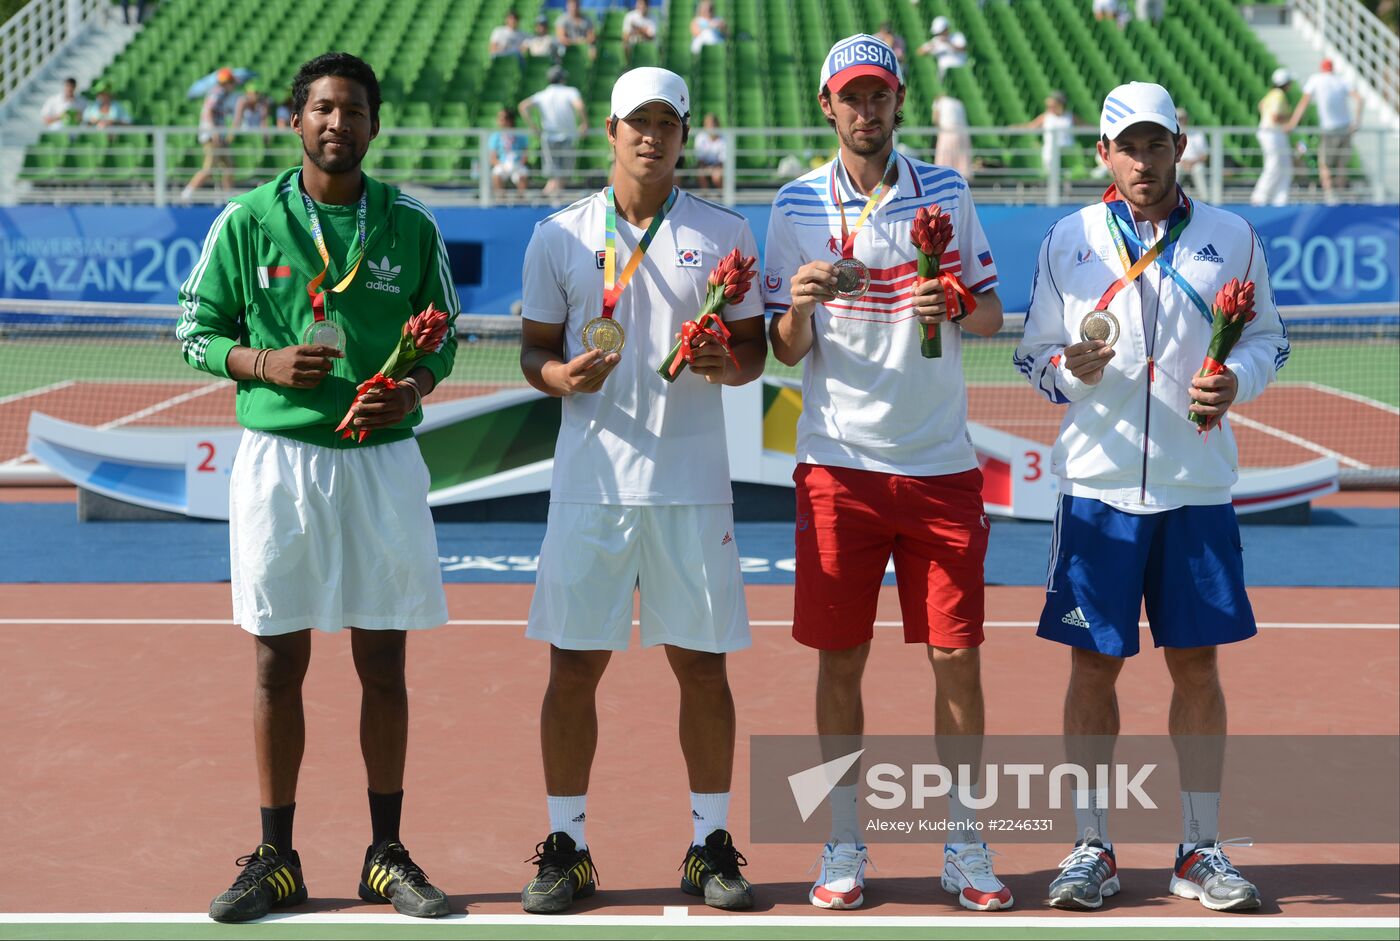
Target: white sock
(708,813)
(568,815)
(1200,817)
(1094,817)
(845,825)
(962,820)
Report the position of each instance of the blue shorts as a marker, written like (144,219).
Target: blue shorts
(1187,564)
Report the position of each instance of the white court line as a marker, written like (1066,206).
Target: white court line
(500,622)
(1353,396)
(969,922)
(161,406)
(42,390)
(1239,419)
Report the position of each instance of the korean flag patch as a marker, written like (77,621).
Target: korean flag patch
(687,258)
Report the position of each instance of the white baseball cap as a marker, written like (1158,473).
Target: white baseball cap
(861,54)
(1134,103)
(647,84)
(939,25)
(1280,78)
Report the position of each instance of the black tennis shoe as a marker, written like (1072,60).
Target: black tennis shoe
(712,871)
(565,873)
(269,880)
(390,876)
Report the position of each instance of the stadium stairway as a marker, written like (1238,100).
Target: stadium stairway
(1297,51)
(85,60)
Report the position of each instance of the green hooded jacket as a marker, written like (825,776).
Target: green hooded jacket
(248,288)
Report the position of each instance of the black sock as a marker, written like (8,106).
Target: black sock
(385,810)
(277,827)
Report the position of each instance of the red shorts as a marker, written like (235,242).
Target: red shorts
(849,523)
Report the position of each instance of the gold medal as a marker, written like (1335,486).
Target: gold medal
(1099,325)
(324,333)
(852,278)
(603,333)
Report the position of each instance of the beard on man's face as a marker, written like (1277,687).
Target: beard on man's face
(344,160)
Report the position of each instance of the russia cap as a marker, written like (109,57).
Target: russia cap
(861,54)
(640,86)
(1134,103)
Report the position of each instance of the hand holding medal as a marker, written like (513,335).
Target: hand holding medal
(604,333)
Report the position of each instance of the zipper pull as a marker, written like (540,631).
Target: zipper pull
(1151,369)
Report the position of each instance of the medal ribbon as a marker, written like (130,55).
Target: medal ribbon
(613,286)
(1148,256)
(313,287)
(881,190)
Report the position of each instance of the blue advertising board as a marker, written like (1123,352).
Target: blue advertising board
(1318,255)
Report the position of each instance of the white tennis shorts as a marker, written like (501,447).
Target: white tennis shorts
(324,538)
(683,560)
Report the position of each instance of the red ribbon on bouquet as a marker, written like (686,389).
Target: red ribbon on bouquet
(379,380)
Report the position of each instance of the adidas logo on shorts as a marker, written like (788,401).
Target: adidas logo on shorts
(726,540)
(1076,619)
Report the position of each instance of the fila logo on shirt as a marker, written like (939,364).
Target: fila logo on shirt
(602,258)
(688,258)
(384,274)
(1209,254)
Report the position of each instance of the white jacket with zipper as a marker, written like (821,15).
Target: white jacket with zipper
(1127,439)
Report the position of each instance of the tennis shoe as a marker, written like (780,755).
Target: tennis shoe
(390,876)
(1206,873)
(565,873)
(967,873)
(712,871)
(269,880)
(841,883)
(1088,875)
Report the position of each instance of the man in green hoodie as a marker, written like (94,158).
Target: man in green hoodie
(301,292)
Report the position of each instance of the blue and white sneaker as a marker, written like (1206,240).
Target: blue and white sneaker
(1088,875)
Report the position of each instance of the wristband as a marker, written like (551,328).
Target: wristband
(412,383)
(259,364)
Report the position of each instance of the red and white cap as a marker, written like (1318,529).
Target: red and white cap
(861,54)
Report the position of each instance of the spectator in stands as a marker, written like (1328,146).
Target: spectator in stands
(637,27)
(508,148)
(1194,157)
(284,112)
(213,134)
(1107,10)
(543,45)
(133,11)
(562,119)
(1056,121)
(955,57)
(1274,117)
(1331,93)
(706,29)
(575,28)
(890,38)
(64,107)
(105,111)
(710,148)
(938,43)
(1151,11)
(250,113)
(954,147)
(507,39)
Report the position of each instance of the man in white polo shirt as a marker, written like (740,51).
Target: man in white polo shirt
(1118,327)
(1334,97)
(641,499)
(885,465)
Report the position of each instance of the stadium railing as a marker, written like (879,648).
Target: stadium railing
(1358,40)
(451,166)
(30,38)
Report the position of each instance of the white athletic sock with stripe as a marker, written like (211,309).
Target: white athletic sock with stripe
(568,815)
(845,822)
(1200,817)
(1094,817)
(708,813)
(962,819)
